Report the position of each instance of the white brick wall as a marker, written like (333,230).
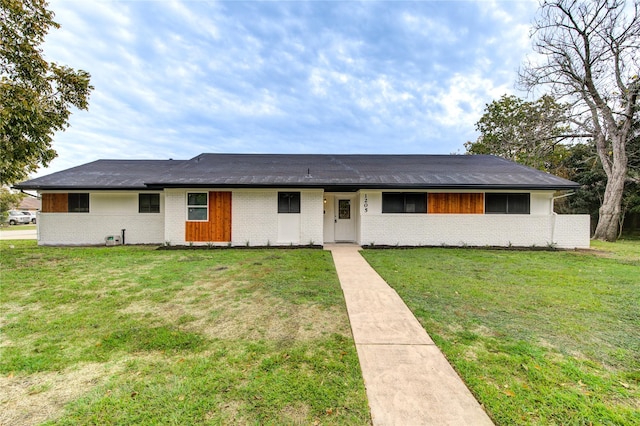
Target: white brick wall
(87,228)
(109,213)
(456,230)
(312,218)
(254,217)
(572,231)
(476,230)
(540,228)
(255,221)
(175,216)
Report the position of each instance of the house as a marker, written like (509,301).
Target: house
(277,199)
(30,204)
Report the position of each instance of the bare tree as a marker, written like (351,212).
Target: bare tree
(589,56)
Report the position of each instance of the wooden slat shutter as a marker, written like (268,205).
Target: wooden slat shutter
(456,203)
(220,216)
(55,203)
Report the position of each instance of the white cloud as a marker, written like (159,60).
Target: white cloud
(430,28)
(194,21)
(462,100)
(215,101)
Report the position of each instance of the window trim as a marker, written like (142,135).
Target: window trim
(71,195)
(150,205)
(297,201)
(198,206)
(404,202)
(488,195)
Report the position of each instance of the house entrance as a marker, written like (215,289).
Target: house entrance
(344,218)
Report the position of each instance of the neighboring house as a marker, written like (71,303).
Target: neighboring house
(259,200)
(30,204)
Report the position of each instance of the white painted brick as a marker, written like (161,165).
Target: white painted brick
(537,229)
(312,217)
(87,228)
(255,221)
(175,216)
(572,231)
(456,230)
(109,213)
(254,217)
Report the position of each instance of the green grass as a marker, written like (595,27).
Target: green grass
(133,335)
(539,337)
(625,250)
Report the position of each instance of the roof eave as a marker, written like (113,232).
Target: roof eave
(79,188)
(350,187)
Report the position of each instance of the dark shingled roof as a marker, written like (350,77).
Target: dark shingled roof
(331,172)
(101,174)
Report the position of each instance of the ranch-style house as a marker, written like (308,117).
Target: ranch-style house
(282,199)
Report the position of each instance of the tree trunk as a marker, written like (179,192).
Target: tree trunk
(609,218)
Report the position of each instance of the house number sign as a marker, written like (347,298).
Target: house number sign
(365,205)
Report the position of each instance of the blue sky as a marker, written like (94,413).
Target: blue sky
(174,79)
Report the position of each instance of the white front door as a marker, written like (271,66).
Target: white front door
(345,221)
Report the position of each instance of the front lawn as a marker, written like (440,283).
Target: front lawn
(133,335)
(539,337)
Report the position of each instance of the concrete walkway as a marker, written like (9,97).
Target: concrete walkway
(408,380)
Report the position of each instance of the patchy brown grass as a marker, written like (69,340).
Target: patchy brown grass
(202,337)
(32,399)
(214,309)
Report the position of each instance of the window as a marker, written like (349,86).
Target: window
(507,203)
(148,203)
(288,202)
(404,202)
(197,206)
(78,203)
(344,209)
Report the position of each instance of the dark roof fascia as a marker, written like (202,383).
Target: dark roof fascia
(354,188)
(326,187)
(81,188)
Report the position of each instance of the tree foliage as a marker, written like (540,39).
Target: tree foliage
(36,96)
(529,133)
(588,57)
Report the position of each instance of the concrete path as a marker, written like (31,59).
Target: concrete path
(408,380)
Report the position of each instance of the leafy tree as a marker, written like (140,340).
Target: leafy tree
(583,166)
(35,95)
(588,56)
(529,133)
